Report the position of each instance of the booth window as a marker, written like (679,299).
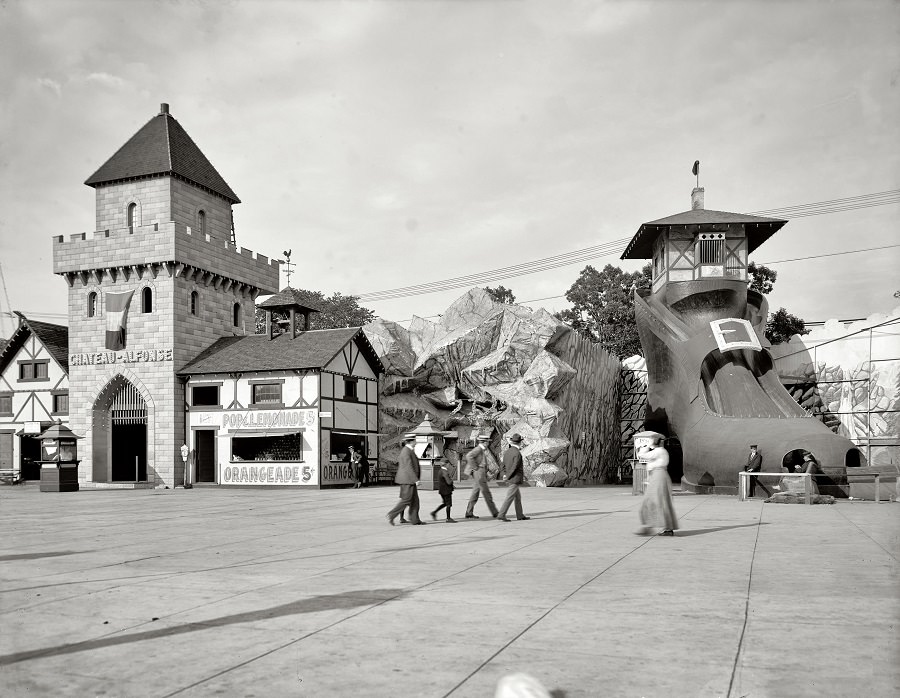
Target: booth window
(236,315)
(61,403)
(266,393)
(350,386)
(282,447)
(34,370)
(205,395)
(195,303)
(92,304)
(147,300)
(711,250)
(6,404)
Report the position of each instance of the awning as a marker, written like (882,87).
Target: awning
(264,432)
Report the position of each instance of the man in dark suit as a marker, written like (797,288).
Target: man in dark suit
(515,475)
(476,468)
(408,475)
(754,465)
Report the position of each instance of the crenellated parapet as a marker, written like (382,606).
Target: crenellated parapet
(169,248)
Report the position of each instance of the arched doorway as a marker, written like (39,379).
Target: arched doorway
(120,434)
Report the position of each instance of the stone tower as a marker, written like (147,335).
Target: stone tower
(164,235)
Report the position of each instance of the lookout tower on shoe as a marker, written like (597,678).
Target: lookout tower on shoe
(711,381)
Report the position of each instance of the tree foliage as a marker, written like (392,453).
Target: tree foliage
(337,310)
(762,278)
(501,294)
(603,308)
(781,326)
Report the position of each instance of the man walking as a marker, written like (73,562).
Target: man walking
(754,465)
(477,469)
(515,475)
(407,476)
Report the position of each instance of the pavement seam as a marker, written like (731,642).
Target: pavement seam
(740,647)
(856,526)
(557,605)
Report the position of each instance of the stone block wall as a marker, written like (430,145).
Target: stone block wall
(152,196)
(187,200)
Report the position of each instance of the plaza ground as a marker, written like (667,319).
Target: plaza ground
(262,592)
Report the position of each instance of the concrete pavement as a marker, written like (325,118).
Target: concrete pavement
(254,592)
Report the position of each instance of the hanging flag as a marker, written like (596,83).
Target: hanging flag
(116,319)
(696,170)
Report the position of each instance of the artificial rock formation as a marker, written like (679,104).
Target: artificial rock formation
(488,367)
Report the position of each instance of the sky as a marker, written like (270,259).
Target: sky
(394,143)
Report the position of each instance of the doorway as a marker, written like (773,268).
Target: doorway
(205,454)
(30,453)
(129,452)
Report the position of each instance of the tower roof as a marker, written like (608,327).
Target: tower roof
(162,147)
(288,297)
(758,229)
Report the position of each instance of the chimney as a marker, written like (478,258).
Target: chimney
(163,108)
(697,199)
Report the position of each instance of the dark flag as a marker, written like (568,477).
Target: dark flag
(696,170)
(116,319)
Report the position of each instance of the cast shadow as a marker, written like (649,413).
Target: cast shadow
(346,600)
(700,532)
(35,556)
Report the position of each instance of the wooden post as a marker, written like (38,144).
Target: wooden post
(877,488)
(806,487)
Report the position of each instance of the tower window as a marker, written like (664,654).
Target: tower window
(201,221)
(92,304)
(711,249)
(132,215)
(195,303)
(236,315)
(147,300)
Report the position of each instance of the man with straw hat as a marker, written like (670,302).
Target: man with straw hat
(515,475)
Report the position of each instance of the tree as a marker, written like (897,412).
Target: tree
(336,311)
(603,309)
(762,278)
(501,294)
(781,326)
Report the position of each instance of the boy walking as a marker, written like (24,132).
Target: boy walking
(445,489)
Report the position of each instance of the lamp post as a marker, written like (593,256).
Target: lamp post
(187,473)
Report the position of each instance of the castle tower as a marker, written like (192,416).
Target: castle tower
(158,281)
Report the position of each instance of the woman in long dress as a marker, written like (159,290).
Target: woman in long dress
(657,509)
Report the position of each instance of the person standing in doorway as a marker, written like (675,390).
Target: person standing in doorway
(362,475)
(754,465)
(408,475)
(354,465)
(515,475)
(657,508)
(476,468)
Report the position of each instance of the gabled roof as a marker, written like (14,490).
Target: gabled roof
(55,339)
(256,352)
(758,229)
(162,147)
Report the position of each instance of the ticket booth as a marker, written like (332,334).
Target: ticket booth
(59,460)
(429,447)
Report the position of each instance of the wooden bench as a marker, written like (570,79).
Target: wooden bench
(859,478)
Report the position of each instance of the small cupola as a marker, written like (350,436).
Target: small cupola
(294,303)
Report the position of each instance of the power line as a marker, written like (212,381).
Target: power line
(577,256)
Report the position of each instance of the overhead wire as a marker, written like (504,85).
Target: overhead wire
(606,249)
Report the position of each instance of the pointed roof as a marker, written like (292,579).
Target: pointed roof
(55,339)
(256,352)
(288,297)
(758,229)
(162,147)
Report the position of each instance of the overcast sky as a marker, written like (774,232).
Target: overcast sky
(394,143)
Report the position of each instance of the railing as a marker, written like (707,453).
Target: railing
(744,483)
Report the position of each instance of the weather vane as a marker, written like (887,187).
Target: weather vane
(288,267)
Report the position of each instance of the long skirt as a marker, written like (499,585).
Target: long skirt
(657,508)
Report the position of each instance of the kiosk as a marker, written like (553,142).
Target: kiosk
(59,460)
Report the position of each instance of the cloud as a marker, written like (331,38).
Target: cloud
(51,85)
(107,80)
